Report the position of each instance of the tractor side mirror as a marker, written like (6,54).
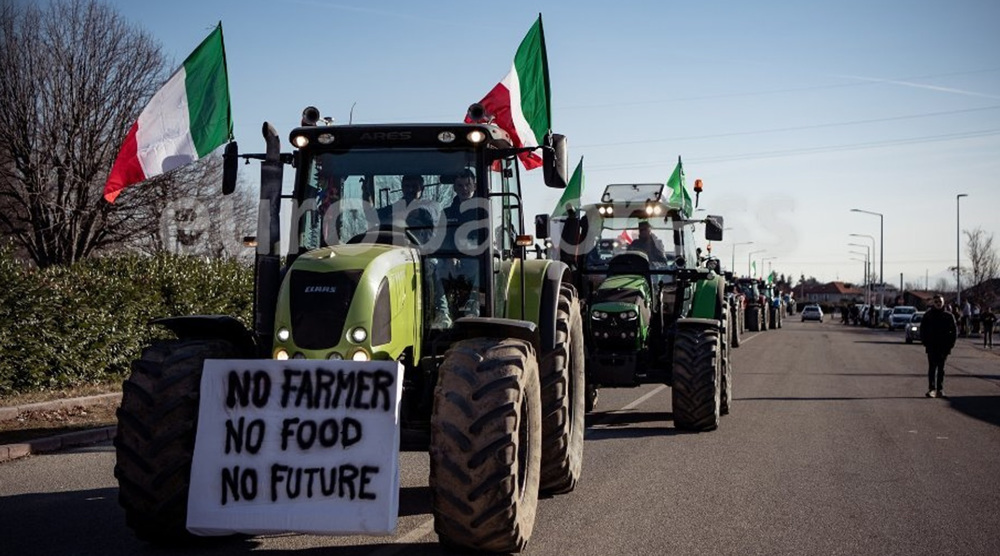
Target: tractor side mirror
(230,167)
(555,161)
(542,226)
(713,228)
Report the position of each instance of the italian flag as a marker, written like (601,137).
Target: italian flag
(185,120)
(519,104)
(573,192)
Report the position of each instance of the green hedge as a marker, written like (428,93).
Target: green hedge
(83,324)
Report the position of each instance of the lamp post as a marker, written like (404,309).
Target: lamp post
(732,264)
(881,251)
(958,249)
(751,254)
(868,258)
(866,265)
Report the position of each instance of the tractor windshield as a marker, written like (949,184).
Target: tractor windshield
(654,236)
(416,192)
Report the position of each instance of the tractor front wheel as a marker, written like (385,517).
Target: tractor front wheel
(696,392)
(486,442)
(155,440)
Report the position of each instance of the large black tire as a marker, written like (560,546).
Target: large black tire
(563,399)
(726,394)
(486,441)
(154,444)
(735,325)
(753,319)
(696,390)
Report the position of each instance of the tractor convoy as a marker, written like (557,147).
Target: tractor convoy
(406,244)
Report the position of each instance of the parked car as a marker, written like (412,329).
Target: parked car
(913,327)
(812,312)
(900,316)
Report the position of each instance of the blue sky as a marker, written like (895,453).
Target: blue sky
(792,113)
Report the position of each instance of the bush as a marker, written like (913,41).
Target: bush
(67,326)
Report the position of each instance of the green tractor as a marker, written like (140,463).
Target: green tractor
(405,244)
(652,314)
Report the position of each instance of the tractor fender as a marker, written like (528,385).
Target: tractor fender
(542,279)
(697,323)
(708,297)
(467,328)
(210,327)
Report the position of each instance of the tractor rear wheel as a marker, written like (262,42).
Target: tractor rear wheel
(735,324)
(726,394)
(155,440)
(485,450)
(563,399)
(696,392)
(753,319)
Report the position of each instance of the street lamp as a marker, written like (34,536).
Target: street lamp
(732,265)
(866,265)
(751,254)
(868,258)
(958,250)
(881,251)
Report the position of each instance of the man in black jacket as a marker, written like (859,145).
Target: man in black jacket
(938,333)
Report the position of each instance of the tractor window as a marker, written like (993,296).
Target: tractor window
(343,195)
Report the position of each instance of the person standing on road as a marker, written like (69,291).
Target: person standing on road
(938,333)
(989,320)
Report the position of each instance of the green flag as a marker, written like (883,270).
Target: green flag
(678,192)
(573,192)
(753,266)
(770,278)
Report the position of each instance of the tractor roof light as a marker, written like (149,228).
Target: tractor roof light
(325,138)
(300,141)
(476,136)
(446,137)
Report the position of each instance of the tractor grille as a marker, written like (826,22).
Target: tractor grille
(319,304)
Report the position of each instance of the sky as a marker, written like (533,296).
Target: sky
(791,113)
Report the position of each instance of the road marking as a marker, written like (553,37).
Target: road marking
(745,340)
(427,527)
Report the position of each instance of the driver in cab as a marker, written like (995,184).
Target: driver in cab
(648,244)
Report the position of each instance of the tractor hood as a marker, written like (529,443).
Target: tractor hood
(349,301)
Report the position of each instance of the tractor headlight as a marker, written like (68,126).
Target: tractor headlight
(283,334)
(335,356)
(360,355)
(299,355)
(599,315)
(358,334)
(630,315)
(281,354)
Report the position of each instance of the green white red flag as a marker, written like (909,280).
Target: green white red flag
(573,192)
(519,104)
(678,192)
(185,120)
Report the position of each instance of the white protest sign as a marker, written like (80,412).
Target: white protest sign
(296,446)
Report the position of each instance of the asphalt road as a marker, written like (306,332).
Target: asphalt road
(831,448)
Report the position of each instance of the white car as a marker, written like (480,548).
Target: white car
(812,312)
(900,316)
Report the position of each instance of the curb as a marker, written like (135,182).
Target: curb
(10,452)
(8,413)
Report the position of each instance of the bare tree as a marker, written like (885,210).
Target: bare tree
(982,255)
(75,77)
